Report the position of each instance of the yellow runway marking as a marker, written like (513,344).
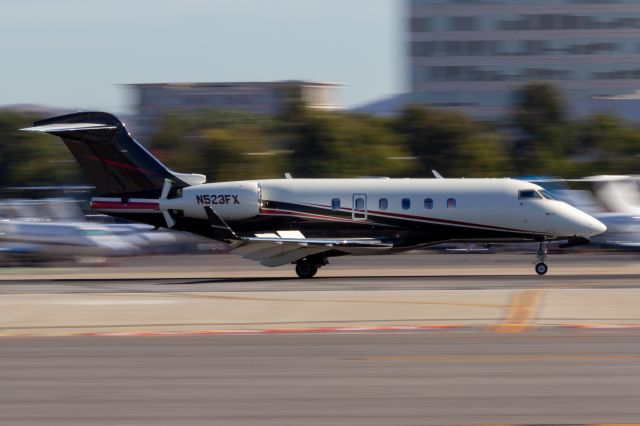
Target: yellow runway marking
(524,307)
(616,424)
(560,424)
(497,358)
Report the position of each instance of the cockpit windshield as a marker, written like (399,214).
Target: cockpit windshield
(536,194)
(529,194)
(547,195)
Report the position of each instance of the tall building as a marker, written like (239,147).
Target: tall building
(153,100)
(470,55)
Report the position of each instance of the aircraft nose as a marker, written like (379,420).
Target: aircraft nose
(591,226)
(581,224)
(598,227)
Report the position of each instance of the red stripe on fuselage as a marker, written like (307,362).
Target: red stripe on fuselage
(115,205)
(305,215)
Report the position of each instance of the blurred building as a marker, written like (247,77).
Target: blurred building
(385,107)
(156,99)
(469,55)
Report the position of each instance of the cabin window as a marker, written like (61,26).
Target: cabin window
(406,204)
(451,203)
(335,204)
(528,194)
(428,203)
(360,203)
(383,204)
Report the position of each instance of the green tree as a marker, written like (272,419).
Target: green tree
(223,145)
(538,107)
(604,144)
(32,159)
(451,143)
(541,141)
(325,144)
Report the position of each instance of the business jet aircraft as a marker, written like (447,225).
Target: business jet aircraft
(306,221)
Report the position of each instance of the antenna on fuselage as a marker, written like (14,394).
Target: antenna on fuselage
(436,174)
(288,176)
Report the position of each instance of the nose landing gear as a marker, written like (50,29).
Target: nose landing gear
(541,267)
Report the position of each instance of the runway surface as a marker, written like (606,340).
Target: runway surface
(413,271)
(426,378)
(212,294)
(336,283)
(508,353)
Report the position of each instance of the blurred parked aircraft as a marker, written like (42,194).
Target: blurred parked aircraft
(56,240)
(55,229)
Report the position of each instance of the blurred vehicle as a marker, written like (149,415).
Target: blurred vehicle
(303,221)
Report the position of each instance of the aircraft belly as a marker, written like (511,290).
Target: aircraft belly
(292,256)
(272,251)
(246,249)
(366,251)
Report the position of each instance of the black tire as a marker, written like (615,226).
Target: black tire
(541,268)
(306,269)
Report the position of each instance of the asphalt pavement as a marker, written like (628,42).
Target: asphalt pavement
(418,378)
(478,339)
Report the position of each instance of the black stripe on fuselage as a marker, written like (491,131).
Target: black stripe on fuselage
(375,217)
(322,222)
(432,229)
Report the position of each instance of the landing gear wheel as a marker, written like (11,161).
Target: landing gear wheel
(541,268)
(306,269)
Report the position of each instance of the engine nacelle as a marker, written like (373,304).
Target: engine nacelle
(231,200)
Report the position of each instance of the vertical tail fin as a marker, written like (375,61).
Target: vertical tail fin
(113,161)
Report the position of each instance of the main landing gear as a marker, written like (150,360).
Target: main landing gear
(308,267)
(541,256)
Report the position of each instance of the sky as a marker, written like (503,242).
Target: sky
(78,53)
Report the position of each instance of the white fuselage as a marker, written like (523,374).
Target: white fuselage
(475,204)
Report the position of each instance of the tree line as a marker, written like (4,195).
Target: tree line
(537,138)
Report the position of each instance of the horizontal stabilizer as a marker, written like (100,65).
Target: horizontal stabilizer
(68,127)
(114,162)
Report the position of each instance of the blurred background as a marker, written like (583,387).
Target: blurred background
(107,322)
(548,90)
